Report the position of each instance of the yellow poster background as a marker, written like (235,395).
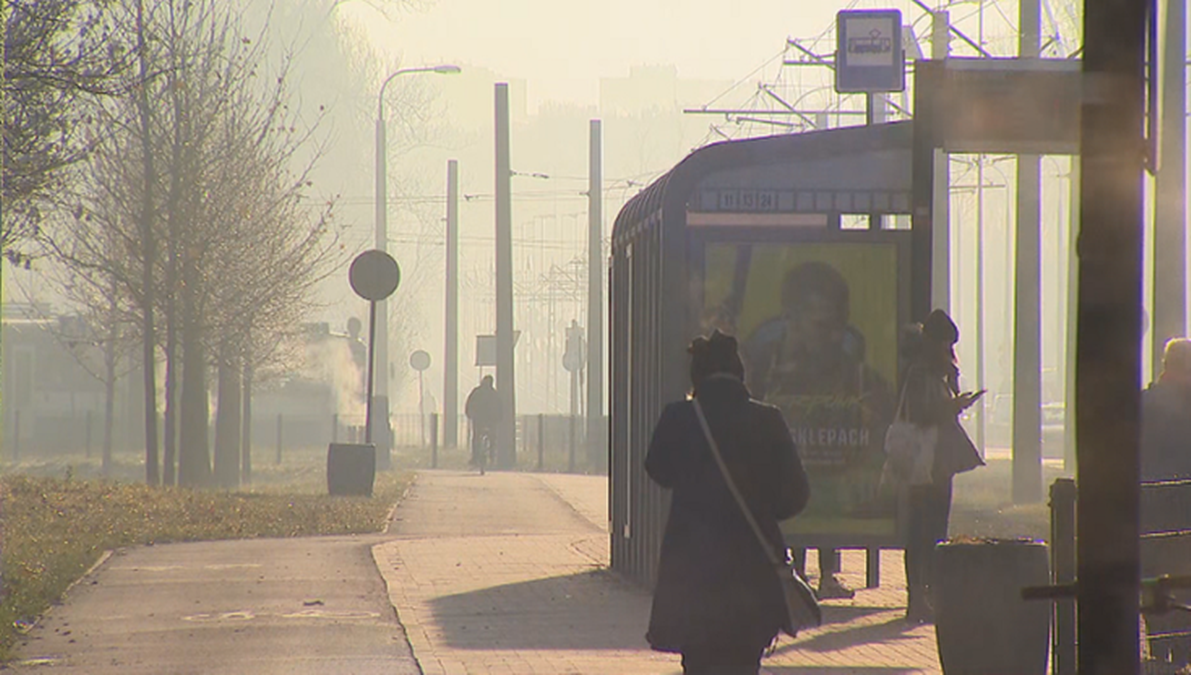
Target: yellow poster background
(871,273)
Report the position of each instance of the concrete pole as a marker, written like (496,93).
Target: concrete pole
(506,382)
(1170,209)
(940,297)
(1027,327)
(380,395)
(596,445)
(451,357)
(1069,411)
(1109,349)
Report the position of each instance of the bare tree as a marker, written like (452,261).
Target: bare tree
(58,55)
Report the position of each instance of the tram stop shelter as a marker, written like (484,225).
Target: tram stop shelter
(741,236)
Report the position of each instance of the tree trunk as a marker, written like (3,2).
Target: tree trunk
(194,457)
(109,397)
(246,425)
(149,355)
(171,393)
(227,421)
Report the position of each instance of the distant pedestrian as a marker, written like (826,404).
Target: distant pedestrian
(717,599)
(933,399)
(1166,417)
(483,409)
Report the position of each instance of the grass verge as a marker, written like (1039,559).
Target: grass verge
(53,530)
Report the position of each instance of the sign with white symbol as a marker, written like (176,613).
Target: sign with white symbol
(869,55)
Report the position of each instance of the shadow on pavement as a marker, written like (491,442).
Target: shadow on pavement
(837,670)
(886,632)
(583,611)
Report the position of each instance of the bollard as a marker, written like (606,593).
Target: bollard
(571,444)
(541,439)
(87,435)
(279,438)
(433,440)
(335,428)
(1062,565)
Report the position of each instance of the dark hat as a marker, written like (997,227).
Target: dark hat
(939,327)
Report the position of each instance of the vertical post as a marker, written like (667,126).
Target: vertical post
(1109,348)
(1170,199)
(378,395)
(421,409)
(1062,553)
(434,440)
(940,275)
(16,440)
(87,434)
(368,398)
(981,407)
(279,429)
(541,439)
(571,443)
(506,381)
(246,423)
(1027,325)
(596,447)
(450,399)
(334,427)
(1069,398)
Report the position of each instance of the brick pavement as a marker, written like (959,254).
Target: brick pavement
(507,573)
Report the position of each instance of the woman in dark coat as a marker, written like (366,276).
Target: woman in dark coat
(718,601)
(933,399)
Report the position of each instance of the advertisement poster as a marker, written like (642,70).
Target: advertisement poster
(818,328)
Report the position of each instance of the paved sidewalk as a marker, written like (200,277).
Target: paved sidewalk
(507,573)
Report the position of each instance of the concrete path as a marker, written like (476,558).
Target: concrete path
(292,606)
(507,573)
(504,573)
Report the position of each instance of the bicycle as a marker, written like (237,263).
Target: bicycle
(487,453)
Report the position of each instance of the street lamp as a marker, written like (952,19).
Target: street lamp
(381,400)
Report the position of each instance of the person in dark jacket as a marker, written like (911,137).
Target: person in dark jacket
(1166,417)
(483,409)
(933,399)
(718,600)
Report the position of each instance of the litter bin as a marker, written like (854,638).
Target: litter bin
(351,468)
(982,625)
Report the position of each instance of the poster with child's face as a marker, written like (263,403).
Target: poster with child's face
(817,324)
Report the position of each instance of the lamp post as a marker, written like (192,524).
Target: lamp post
(381,397)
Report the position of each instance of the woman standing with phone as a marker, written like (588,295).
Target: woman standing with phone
(933,399)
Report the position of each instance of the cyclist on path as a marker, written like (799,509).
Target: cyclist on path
(483,409)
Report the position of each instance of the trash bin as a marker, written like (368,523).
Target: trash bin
(351,468)
(982,625)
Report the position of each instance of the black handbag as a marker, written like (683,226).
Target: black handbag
(802,607)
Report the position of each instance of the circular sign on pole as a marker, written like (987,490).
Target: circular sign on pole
(374,275)
(419,360)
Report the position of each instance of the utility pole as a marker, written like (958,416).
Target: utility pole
(1109,348)
(506,383)
(1170,208)
(450,398)
(378,425)
(940,49)
(596,445)
(1027,325)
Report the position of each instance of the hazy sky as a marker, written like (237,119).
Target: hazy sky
(563,47)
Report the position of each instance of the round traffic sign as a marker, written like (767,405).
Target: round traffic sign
(419,360)
(374,275)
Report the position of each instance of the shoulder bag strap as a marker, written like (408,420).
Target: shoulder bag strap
(719,460)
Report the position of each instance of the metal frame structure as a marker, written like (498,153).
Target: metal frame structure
(656,245)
